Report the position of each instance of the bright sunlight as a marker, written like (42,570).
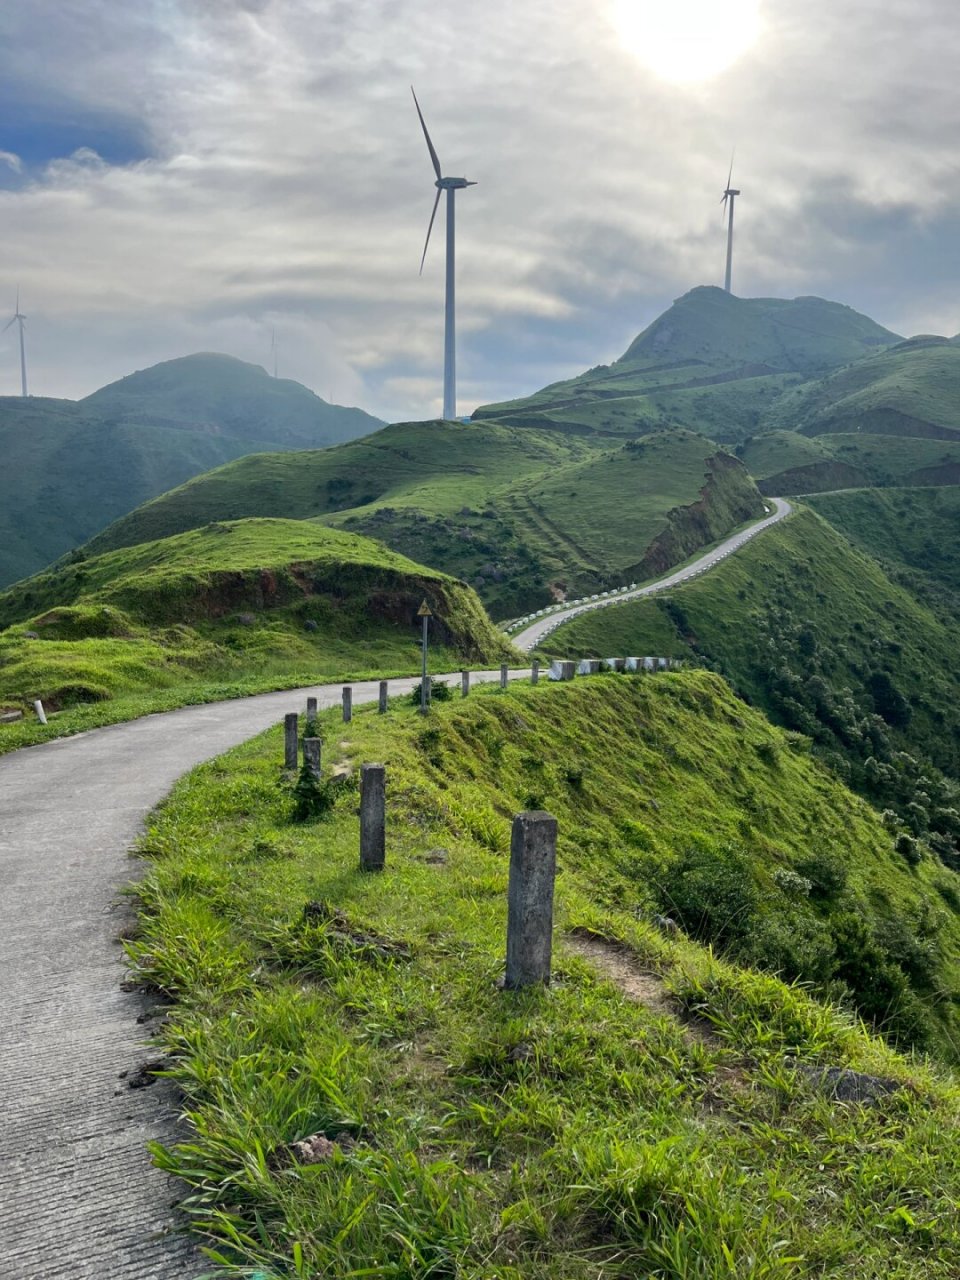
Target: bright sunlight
(687,40)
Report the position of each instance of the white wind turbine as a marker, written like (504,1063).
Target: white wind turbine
(18,318)
(730,194)
(451,186)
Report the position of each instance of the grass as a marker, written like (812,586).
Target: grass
(524,516)
(817,635)
(785,462)
(234,608)
(567,1133)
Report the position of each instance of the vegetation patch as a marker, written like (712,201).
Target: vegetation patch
(366,1101)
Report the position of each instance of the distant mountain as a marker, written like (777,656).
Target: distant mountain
(713,363)
(72,467)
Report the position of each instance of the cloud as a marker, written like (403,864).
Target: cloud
(258,163)
(11,161)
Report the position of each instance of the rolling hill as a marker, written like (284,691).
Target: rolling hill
(526,516)
(713,363)
(70,467)
(230,608)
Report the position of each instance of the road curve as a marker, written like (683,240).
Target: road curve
(531,636)
(80,1197)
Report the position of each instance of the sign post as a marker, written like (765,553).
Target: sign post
(426,614)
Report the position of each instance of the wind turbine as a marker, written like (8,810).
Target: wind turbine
(451,186)
(730,194)
(18,318)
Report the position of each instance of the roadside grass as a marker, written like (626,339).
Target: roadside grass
(569,1132)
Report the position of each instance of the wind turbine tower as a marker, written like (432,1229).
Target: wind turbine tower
(18,318)
(729,195)
(451,186)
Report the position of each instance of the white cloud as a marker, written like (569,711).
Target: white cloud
(288,184)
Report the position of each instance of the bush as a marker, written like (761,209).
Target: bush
(909,849)
(313,797)
(439,692)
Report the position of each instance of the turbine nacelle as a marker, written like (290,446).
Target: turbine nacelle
(453,184)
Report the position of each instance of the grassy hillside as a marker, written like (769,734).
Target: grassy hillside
(660,1111)
(818,636)
(785,462)
(911,390)
(914,534)
(231,608)
(713,363)
(524,516)
(72,467)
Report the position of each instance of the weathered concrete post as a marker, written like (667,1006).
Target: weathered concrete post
(291,733)
(535,673)
(382,704)
(426,691)
(533,869)
(504,675)
(38,708)
(373,817)
(311,710)
(347,704)
(311,756)
(464,683)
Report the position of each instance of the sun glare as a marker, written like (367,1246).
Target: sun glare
(687,40)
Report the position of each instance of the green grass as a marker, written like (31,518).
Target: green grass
(523,516)
(567,1133)
(785,462)
(815,633)
(75,466)
(234,608)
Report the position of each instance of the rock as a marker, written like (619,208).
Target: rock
(845,1085)
(310,625)
(30,635)
(521,1052)
(318,1147)
(666,924)
(10,717)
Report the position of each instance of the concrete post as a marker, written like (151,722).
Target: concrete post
(347,704)
(533,869)
(38,708)
(373,817)
(291,733)
(311,756)
(311,710)
(464,683)
(504,675)
(382,704)
(535,673)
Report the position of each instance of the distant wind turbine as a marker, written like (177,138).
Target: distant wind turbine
(730,194)
(19,319)
(451,186)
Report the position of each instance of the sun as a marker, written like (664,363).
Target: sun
(687,40)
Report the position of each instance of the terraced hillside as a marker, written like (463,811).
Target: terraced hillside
(785,462)
(70,467)
(713,363)
(658,1111)
(233,607)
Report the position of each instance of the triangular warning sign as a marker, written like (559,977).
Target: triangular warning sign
(424,611)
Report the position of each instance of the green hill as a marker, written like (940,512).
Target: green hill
(659,1111)
(70,467)
(713,363)
(230,608)
(525,516)
(911,390)
(785,462)
(816,634)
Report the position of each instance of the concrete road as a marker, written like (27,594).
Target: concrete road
(528,639)
(78,1196)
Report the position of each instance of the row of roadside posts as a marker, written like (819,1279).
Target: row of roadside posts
(533,841)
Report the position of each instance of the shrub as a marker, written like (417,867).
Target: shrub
(909,848)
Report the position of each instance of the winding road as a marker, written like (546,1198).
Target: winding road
(530,637)
(79,1196)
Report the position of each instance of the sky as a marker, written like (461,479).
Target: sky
(196,175)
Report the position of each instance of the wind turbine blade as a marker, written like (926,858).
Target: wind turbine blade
(430,147)
(8,324)
(730,174)
(429,229)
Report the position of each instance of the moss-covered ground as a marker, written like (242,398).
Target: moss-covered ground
(674,1123)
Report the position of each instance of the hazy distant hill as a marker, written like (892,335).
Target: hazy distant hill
(71,467)
(713,362)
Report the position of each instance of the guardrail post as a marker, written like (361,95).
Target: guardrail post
(347,704)
(311,756)
(382,704)
(373,817)
(291,733)
(533,869)
(535,673)
(504,675)
(464,683)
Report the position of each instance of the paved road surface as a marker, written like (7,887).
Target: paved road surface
(78,1197)
(531,636)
